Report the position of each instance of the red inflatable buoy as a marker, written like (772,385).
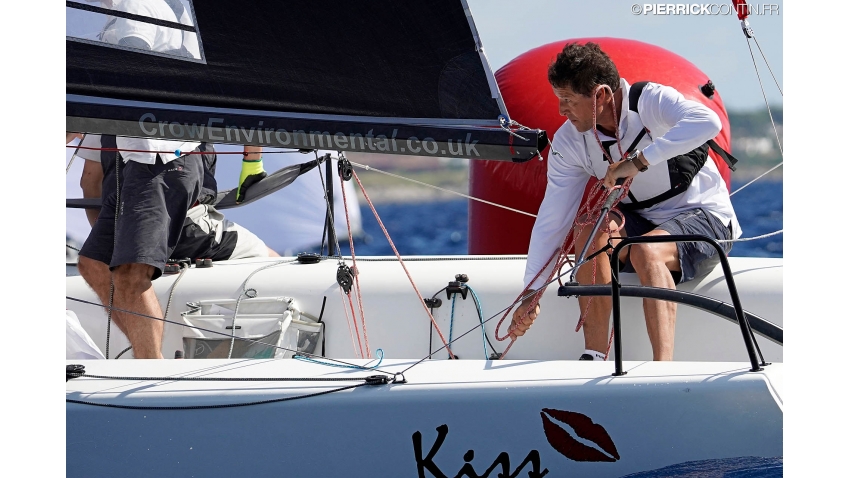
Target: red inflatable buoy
(530,101)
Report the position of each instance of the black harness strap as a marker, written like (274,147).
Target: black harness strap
(607,145)
(727,157)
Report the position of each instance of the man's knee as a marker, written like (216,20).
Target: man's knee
(92,270)
(133,276)
(647,255)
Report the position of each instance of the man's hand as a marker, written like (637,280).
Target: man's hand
(252,173)
(622,169)
(520,324)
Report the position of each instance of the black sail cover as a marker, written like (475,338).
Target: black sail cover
(379,76)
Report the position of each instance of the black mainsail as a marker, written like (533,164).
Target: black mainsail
(381,76)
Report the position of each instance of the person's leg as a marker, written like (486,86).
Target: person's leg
(597,309)
(155,199)
(96,253)
(134,293)
(653,263)
(665,264)
(97,276)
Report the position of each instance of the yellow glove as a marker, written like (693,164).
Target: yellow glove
(252,173)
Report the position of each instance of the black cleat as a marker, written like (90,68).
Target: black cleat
(586,357)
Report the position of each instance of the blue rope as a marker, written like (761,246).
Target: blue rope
(379,352)
(478,309)
(480,313)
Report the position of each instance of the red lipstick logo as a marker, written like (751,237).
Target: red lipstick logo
(565,444)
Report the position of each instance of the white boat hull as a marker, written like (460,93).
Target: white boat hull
(659,414)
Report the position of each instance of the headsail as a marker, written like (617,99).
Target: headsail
(383,76)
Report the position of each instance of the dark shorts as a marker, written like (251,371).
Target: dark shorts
(154,201)
(695,258)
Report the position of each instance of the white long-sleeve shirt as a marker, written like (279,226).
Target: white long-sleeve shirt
(143,144)
(675,126)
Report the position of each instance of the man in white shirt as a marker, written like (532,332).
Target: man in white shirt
(676,189)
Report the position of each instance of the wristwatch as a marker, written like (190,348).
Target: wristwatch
(633,157)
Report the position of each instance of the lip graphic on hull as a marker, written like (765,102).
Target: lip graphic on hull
(567,445)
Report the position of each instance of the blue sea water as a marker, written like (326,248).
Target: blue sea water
(440,228)
(740,467)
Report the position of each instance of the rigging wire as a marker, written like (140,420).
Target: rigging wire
(378,352)
(757,178)
(370,168)
(768,66)
(769,113)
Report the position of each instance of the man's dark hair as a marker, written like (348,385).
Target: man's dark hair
(582,67)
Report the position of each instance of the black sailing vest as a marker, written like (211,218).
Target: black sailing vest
(680,169)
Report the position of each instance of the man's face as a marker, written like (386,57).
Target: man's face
(576,107)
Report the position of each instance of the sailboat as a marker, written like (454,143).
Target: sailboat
(317,365)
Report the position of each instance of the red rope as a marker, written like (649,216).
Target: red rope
(182,153)
(398,256)
(354,319)
(348,321)
(356,271)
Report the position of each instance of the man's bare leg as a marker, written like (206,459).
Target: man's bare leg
(134,293)
(653,263)
(595,326)
(97,276)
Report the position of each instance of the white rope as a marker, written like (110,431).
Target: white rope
(761,85)
(756,179)
(370,168)
(768,66)
(745,239)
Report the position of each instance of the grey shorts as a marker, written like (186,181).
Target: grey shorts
(695,258)
(208,234)
(154,200)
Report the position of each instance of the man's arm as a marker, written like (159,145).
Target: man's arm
(565,182)
(686,124)
(91,182)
